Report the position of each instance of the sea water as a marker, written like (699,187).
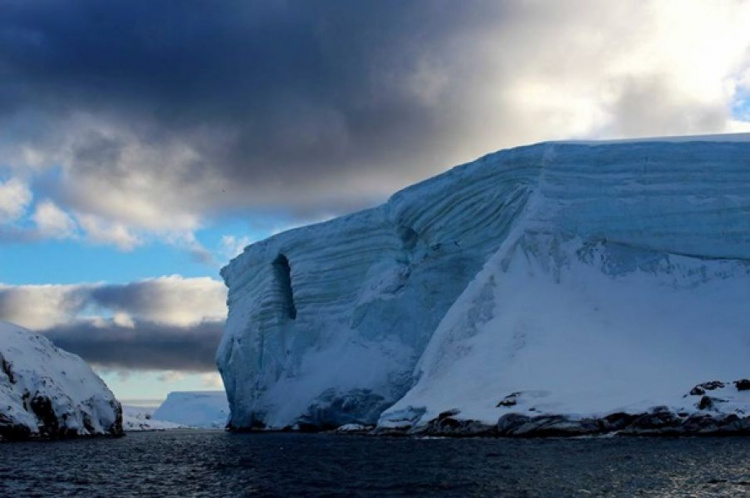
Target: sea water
(216,463)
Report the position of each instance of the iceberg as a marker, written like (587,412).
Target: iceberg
(562,279)
(47,392)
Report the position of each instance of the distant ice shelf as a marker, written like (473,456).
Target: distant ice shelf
(578,279)
(141,419)
(197,409)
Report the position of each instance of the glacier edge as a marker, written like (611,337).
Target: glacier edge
(384,298)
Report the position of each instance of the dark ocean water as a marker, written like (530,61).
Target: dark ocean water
(207,463)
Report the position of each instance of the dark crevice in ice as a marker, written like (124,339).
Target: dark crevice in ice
(283,273)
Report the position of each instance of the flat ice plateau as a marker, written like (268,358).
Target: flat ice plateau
(45,391)
(197,409)
(560,287)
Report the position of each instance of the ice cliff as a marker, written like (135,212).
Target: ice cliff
(572,278)
(45,391)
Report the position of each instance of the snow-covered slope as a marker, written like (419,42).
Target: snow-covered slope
(592,278)
(203,409)
(45,391)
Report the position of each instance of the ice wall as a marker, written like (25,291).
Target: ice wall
(327,323)
(366,290)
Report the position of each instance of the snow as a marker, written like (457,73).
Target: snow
(588,339)
(45,391)
(140,418)
(198,409)
(591,277)
(352,429)
(724,137)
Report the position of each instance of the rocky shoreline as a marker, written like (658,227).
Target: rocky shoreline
(703,417)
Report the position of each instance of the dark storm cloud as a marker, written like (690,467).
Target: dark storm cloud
(270,94)
(144,346)
(164,115)
(167,323)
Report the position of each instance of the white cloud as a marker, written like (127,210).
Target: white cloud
(15,197)
(171,300)
(212,380)
(171,376)
(123,320)
(187,242)
(40,307)
(101,230)
(53,222)
(232,246)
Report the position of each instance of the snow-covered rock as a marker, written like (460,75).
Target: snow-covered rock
(589,278)
(141,419)
(353,429)
(202,409)
(45,391)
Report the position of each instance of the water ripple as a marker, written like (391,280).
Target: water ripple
(207,464)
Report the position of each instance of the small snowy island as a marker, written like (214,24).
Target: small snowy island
(554,289)
(47,392)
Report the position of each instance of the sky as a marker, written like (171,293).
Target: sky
(144,144)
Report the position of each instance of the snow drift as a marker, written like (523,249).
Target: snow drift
(577,279)
(45,391)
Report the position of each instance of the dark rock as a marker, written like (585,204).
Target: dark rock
(392,432)
(448,413)
(660,409)
(705,403)
(511,421)
(742,384)
(728,425)
(617,421)
(6,368)
(659,420)
(11,431)
(334,409)
(42,408)
(698,423)
(449,423)
(517,425)
(701,389)
(709,403)
(559,426)
(116,429)
(449,426)
(509,400)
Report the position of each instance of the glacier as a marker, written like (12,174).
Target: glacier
(576,279)
(48,392)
